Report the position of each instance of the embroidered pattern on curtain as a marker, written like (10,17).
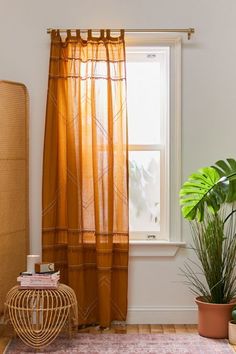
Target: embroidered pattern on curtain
(85,173)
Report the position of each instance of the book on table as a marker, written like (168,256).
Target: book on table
(39,281)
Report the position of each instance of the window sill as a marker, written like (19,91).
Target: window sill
(144,248)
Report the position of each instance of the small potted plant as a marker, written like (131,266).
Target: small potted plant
(207,200)
(232,327)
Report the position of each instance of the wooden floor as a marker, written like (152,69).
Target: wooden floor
(143,329)
(6,332)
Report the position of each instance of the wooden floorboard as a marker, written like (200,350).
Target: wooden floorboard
(6,332)
(156,328)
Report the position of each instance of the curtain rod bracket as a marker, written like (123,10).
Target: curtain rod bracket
(190,32)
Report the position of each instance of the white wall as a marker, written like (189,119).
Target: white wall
(208,107)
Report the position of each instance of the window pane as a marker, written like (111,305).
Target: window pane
(144,190)
(144,100)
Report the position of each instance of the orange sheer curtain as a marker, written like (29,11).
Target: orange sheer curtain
(85,177)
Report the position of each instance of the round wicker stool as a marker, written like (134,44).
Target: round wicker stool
(38,315)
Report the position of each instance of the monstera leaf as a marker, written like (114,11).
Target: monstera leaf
(209,186)
(227,172)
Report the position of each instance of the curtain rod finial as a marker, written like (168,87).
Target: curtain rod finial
(190,32)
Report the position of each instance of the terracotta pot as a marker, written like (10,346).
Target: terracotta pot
(213,319)
(232,332)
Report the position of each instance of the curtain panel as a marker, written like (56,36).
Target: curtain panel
(85,172)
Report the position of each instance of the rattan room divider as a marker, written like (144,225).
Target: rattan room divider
(13,184)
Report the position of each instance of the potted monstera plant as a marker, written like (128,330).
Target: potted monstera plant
(207,199)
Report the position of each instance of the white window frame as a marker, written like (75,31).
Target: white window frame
(172,242)
(163,53)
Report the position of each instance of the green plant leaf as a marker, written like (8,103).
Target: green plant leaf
(208,187)
(227,169)
(197,191)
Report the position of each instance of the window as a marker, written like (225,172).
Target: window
(153,100)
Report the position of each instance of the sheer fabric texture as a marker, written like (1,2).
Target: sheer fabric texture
(85,177)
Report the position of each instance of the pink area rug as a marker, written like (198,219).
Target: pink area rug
(84,343)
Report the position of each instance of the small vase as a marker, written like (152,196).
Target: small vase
(213,319)
(232,332)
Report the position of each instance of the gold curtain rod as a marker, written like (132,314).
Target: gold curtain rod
(189,31)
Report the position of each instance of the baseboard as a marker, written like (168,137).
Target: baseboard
(162,315)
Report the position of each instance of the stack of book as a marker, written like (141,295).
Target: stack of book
(39,280)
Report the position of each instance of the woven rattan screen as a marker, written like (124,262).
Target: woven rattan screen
(13,184)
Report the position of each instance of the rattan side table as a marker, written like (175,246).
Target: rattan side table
(38,315)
